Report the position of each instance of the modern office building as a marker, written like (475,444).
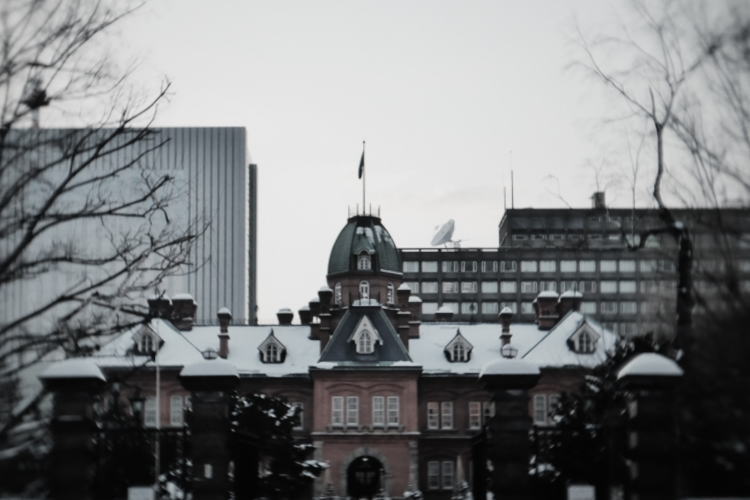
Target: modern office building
(586,250)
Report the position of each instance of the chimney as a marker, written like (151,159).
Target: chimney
(505,316)
(444,313)
(415,308)
(285,316)
(225,317)
(597,200)
(402,295)
(314,306)
(570,300)
(159,306)
(545,306)
(305,316)
(184,308)
(326,295)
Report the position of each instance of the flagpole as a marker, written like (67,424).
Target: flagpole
(364,178)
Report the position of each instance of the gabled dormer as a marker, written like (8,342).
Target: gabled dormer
(458,350)
(365,337)
(583,340)
(146,341)
(271,350)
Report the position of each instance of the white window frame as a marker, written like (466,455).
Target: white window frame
(338,296)
(586,266)
(508,266)
(539,413)
(433,415)
(449,287)
(365,342)
(393,411)
(450,266)
(177,410)
(410,266)
(489,308)
(429,287)
(433,475)
(508,286)
(608,266)
(446,415)
(447,474)
(352,411)
(149,412)
(529,266)
(364,289)
(429,266)
(468,287)
(547,266)
(390,294)
(475,415)
(337,411)
(364,262)
(568,266)
(378,411)
(300,414)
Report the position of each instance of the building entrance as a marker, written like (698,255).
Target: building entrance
(363,477)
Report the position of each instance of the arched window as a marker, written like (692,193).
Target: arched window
(390,293)
(272,353)
(338,298)
(364,342)
(364,263)
(459,352)
(147,344)
(364,289)
(585,343)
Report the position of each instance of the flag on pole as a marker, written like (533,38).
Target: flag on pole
(361,165)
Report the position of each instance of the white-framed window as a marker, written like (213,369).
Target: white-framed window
(528,266)
(529,287)
(608,286)
(566,285)
(489,266)
(176,410)
(429,287)
(507,287)
(393,411)
(364,262)
(146,344)
(364,289)
(450,286)
(543,405)
(489,308)
(627,265)
(433,415)
(475,415)
(447,475)
(390,294)
(608,266)
(378,411)
(469,308)
(352,411)
(588,307)
(440,474)
(450,266)
(548,285)
(587,286)
(338,296)
(628,286)
(433,474)
(365,342)
(459,351)
(429,307)
(337,411)
(149,412)
(608,307)
(468,266)
(446,414)
(567,266)
(629,307)
(527,308)
(300,407)
(429,266)
(468,287)
(271,349)
(513,306)
(489,287)
(587,266)
(585,343)
(410,266)
(547,266)
(508,266)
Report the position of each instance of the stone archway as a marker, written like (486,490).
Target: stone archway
(364,477)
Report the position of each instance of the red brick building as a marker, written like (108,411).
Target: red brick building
(389,402)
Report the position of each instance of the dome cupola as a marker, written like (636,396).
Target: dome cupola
(364,246)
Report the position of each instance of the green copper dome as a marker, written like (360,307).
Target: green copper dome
(364,233)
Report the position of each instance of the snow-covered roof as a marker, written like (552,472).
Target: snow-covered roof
(183,296)
(403,286)
(505,366)
(506,310)
(365,302)
(285,310)
(225,310)
(210,368)
(571,293)
(414,298)
(79,368)
(547,294)
(325,288)
(650,363)
(444,309)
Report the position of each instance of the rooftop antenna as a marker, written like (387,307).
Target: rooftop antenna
(444,234)
(512,198)
(505,198)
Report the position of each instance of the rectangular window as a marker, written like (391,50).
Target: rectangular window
(451,306)
(489,266)
(528,266)
(337,411)
(469,308)
(588,307)
(446,415)
(447,473)
(378,411)
(527,308)
(510,305)
(548,285)
(627,266)
(629,307)
(628,286)
(394,411)
(648,266)
(567,266)
(176,409)
(413,286)
(587,266)
(468,266)
(450,266)
(547,266)
(529,287)
(429,287)
(300,406)
(411,266)
(433,417)
(608,307)
(149,412)
(508,266)
(429,266)
(507,287)
(468,287)
(450,286)
(489,286)
(608,286)
(540,409)
(566,285)
(587,286)
(475,415)
(429,307)
(352,411)
(489,308)
(433,474)
(608,266)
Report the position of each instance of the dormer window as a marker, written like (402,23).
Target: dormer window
(364,262)
(338,296)
(458,349)
(364,289)
(390,294)
(584,340)
(271,350)
(365,337)
(146,342)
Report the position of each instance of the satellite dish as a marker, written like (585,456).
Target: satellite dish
(444,234)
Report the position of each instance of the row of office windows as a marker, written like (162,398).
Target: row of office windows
(611,238)
(543,266)
(534,287)
(587,307)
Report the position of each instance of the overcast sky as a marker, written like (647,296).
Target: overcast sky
(441,91)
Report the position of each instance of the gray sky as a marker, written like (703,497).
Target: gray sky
(441,92)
